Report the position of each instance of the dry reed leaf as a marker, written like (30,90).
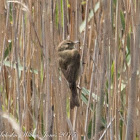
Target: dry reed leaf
(13,123)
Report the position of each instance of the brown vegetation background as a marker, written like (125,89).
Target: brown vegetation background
(34,96)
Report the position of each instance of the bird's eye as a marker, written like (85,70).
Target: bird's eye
(68,42)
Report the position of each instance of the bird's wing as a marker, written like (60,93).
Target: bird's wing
(71,73)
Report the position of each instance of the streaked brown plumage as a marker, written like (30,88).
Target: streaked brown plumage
(69,62)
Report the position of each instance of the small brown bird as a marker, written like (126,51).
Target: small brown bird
(69,62)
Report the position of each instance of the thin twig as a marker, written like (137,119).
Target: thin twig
(107,128)
(73,134)
(25,8)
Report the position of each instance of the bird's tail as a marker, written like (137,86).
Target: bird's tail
(74,101)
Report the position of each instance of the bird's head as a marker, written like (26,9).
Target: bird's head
(67,45)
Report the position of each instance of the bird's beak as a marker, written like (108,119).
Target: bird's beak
(77,41)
